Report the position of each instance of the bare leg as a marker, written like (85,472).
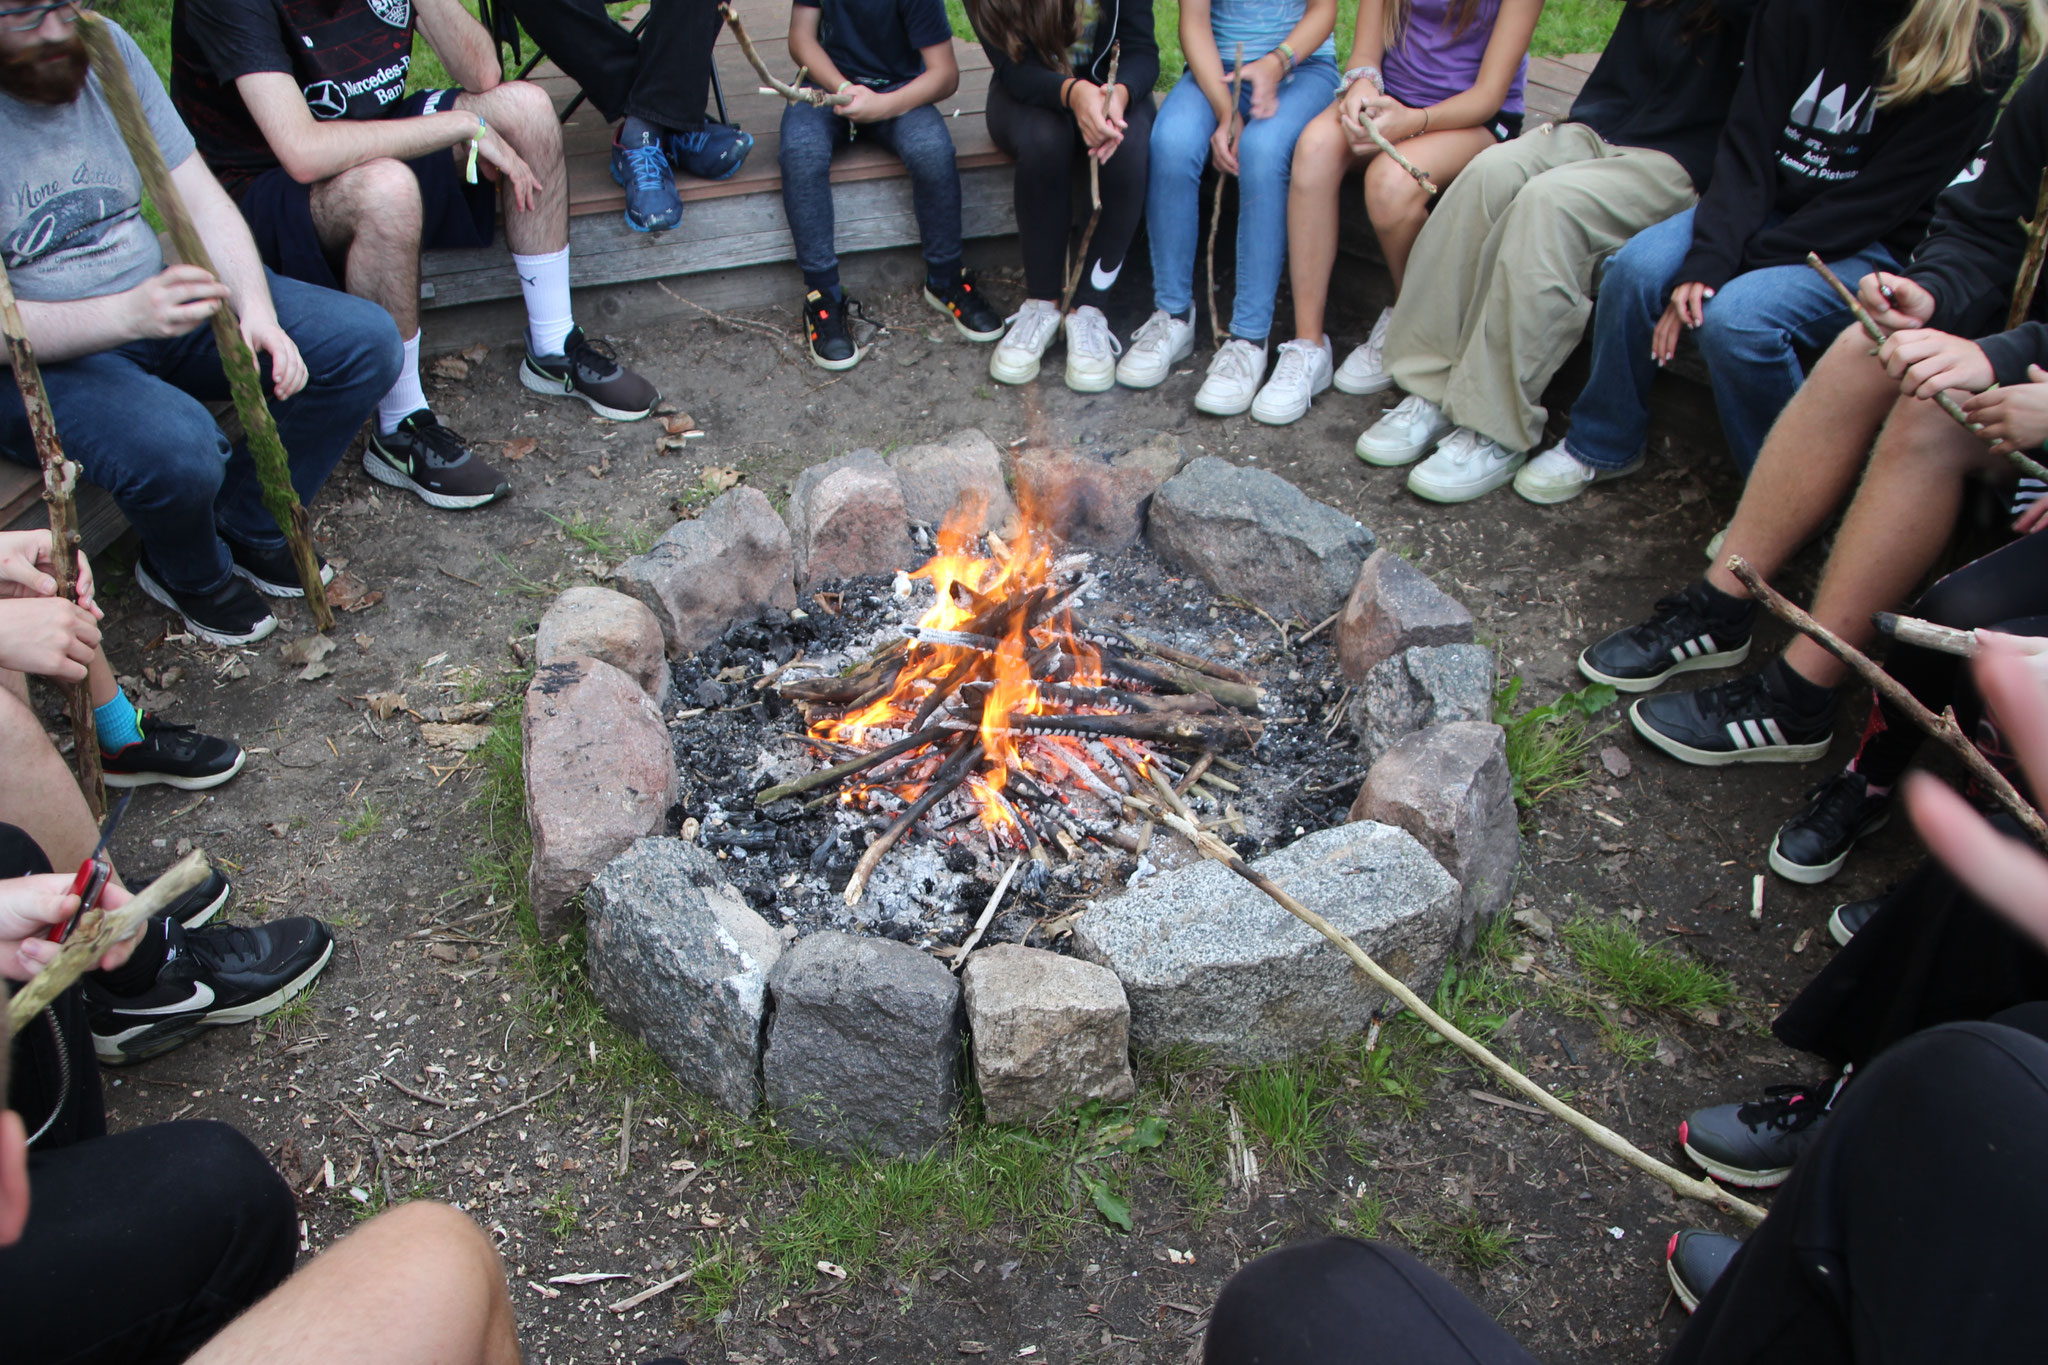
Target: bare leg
(1398,206)
(419,1284)
(41,793)
(525,116)
(1894,531)
(371,215)
(1322,158)
(1811,460)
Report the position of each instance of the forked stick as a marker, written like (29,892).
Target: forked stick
(1598,1134)
(100,930)
(2030,264)
(1094,195)
(1421,176)
(795,94)
(1945,399)
(1943,727)
(1216,207)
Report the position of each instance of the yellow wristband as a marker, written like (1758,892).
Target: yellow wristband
(469,172)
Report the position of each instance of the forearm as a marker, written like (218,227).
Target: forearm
(76,327)
(1318,22)
(928,88)
(225,233)
(321,151)
(1205,64)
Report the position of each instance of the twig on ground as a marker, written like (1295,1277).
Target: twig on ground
(1216,206)
(1319,627)
(1943,727)
(627,1305)
(506,1112)
(99,930)
(2030,264)
(795,94)
(988,913)
(626,1137)
(1094,197)
(402,1088)
(723,318)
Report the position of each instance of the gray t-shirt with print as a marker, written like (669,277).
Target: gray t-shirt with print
(71,224)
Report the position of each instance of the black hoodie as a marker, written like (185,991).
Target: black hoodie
(1806,140)
(1654,88)
(1129,22)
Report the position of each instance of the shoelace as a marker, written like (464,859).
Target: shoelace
(1235,360)
(1462,446)
(1157,333)
(1838,800)
(443,445)
(1291,365)
(1413,408)
(1788,1107)
(595,358)
(1672,619)
(1031,327)
(1090,335)
(648,166)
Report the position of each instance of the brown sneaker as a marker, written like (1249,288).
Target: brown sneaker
(433,461)
(587,370)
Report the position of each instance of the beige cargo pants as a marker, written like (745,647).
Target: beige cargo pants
(1501,281)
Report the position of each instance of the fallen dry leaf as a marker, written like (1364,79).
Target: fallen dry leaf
(519,447)
(718,478)
(460,738)
(314,671)
(451,367)
(307,649)
(385,705)
(347,593)
(1615,761)
(465,711)
(678,424)
(444,952)
(827,1268)
(477,354)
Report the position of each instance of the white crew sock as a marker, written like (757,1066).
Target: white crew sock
(544,281)
(406,396)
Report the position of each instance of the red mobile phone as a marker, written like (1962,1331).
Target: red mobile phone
(87,886)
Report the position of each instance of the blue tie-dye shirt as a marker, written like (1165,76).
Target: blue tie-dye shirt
(1261,25)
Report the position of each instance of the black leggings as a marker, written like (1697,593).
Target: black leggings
(2005,590)
(1910,1231)
(1046,144)
(664,76)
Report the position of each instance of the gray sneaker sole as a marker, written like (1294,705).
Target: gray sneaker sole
(382,471)
(540,381)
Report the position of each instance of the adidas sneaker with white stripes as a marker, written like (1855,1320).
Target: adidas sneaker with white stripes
(1692,629)
(1741,721)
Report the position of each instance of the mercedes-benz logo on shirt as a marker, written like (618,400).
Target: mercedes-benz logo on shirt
(326,100)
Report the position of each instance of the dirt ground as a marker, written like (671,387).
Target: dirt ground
(427,1021)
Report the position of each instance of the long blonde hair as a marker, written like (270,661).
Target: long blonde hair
(1940,44)
(1464,14)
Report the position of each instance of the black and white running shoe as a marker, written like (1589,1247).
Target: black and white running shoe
(172,755)
(1812,846)
(1684,633)
(222,974)
(231,614)
(424,457)
(201,903)
(587,369)
(1754,1145)
(1694,1260)
(1739,721)
(274,573)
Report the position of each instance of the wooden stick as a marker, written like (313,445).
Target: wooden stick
(431,1143)
(1942,727)
(1946,400)
(988,913)
(59,477)
(1911,630)
(823,776)
(2030,264)
(795,94)
(97,932)
(1216,207)
(1421,176)
(950,775)
(1094,196)
(1598,1134)
(245,380)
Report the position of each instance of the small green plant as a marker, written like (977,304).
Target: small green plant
(984,393)
(716,1279)
(364,823)
(599,536)
(1464,1237)
(1547,745)
(1285,1103)
(1648,976)
(559,1212)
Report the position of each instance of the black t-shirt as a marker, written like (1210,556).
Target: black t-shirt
(350,58)
(880,43)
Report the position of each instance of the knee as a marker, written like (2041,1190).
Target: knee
(805,147)
(383,198)
(1044,145)
(444,1246)
(1391,194)
(1730,333)
(925,146)
(526,113)
(1264,158)
(354,344)
(1320,155)
(1179,146)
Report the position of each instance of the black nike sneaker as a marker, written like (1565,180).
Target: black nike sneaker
(431,460)
(222,974)
(588,370)
(229,615)
(172,755)
(962,301)
(1753,1145)
(274,573)
(1812,846)
(201,903)
(1694,1260)
(1848,919)
(1684,633)
(826,332)
(1739,721)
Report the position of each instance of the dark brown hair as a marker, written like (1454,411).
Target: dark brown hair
(1026,29)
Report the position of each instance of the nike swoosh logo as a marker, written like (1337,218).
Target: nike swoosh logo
(201,997)
(1102,279)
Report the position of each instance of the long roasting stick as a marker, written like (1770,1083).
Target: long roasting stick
(1094,195)
(2030,264)
(1216,207)
(1946,400)
(99,930)
(795,94)
(1943,727)
(245,380)
(59,475)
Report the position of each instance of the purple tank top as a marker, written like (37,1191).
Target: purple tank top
(1429,65)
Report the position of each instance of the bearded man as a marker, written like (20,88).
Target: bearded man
(127,354)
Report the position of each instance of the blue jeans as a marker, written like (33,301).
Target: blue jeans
(134,419)
(1752,325)
(919,138)
(1265,158)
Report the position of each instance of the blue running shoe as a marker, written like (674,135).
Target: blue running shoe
(642,171)
(714,152)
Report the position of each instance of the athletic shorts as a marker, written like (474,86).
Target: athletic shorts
(454,213)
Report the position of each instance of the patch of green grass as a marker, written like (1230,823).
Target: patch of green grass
(1287,1104)
(363,823)
(1647,976)
(559,1212)
(1464,1237)
(1548,745)
(715,1282)
(601,536)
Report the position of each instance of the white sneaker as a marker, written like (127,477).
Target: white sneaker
(1233,378)
(1465,466)
(1032,327)
(1557,475)
(1091,351)
(1301,370)
(1410,427)
(1365,369)
(1163,342)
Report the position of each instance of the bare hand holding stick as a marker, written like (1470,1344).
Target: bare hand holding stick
(795,94)
(1367,118)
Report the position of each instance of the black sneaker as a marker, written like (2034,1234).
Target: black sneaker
(201,903)
(826,333)
(962,302)
(1681,635)
(172,755)
(1754,1145)
(589,371)
(1694,1260)
(231,614)
(274,573)
(223,974)
(1812,846)
(1848,920)
(1739,721)
(431,460)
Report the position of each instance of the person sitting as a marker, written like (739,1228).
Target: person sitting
(1453,84)
(1501,280)
(126,354)
(302,111)
(1049,99)
(1957,286)
(1276,92)
(1851,117)
(893,60)
(654,86)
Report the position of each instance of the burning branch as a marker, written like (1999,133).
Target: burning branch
(950,775)
(795,94)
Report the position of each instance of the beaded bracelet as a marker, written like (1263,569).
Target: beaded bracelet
(1286,51)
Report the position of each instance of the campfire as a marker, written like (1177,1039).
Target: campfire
(999,717)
